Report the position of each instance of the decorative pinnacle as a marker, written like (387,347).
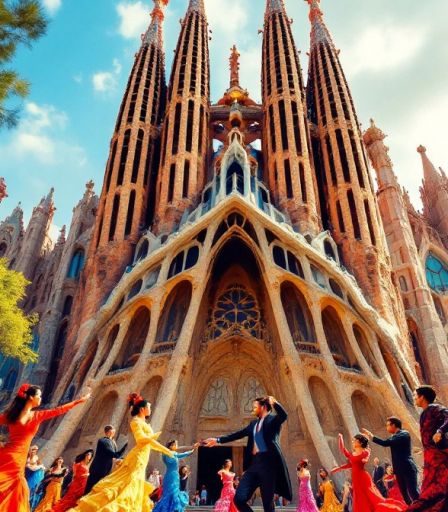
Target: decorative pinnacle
(234,67)
(319,31)
(154,34)
(196,5)
(3,193)
(430,173)
(274,6)
(373,134)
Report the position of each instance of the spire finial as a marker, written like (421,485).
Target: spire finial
(432,177)
(154,34)
(274,6)
(421,149)
(196,5)
(319,31)
(234,67)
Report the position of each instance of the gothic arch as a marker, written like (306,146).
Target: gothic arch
(299,318)
(3,249)
(366,350)
(415,339)
(218,401)
(99,415)
(58,350)
(330,418)
(337,339)
(112,336)
(134,340)
(174,313)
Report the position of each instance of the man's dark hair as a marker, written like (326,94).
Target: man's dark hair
(393,420)
(427,392)
(264,402)
(108,428)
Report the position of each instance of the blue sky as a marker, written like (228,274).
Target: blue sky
(394,53)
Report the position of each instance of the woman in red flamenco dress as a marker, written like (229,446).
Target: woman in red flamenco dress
(23,423)
(78,485)
(366,497)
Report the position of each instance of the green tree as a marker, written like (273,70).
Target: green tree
(15,327)
(21,22)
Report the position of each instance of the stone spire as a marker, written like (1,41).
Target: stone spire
(154,34)
(126,203)
(183,167)
(319,31)
(273,6)
(379,155)
(62,235)
(432,177)
(434,194)
(286,132)
(347,199)
(196,5)
(234,67)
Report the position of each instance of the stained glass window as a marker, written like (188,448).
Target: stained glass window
(436,274)
(236,310)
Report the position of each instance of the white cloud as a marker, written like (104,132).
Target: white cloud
(383,47)
(106,81)
(52,5)
(54,233)
(38,137)
(134,19)
(227,24)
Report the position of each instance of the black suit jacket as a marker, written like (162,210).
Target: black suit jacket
(105,453)
(400,448)
(378,474)
(271,434)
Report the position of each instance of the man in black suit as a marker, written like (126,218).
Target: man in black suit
(403,463)
(266,467)
(106,452)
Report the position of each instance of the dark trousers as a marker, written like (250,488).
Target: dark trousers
(93,479)
(407,483)
(261,474)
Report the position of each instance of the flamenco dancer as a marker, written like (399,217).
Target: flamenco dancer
(266,466)
(326,490)
(366,497)
(173,499)
(126,489)
(78,484)
(22,423)
(34,474)
(306,501)
(52,485)
(225,502)
(434,434)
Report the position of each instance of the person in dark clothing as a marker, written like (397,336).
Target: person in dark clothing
(405,468)
(106,452)
(434,433)
(265,465)
(378,475)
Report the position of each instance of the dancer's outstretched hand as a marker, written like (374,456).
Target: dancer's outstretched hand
(85,397)
(335,469)
(367,433)
(210,442)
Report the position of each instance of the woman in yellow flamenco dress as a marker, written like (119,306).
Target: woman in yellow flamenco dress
(126,489)
(326,490)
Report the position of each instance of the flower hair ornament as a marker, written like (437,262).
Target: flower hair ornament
(23,390)
(134,398)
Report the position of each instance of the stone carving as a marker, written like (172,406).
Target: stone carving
(251,390)
(217,401)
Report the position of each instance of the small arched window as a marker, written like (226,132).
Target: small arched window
(403,284)
(3,249)
(143,250)
(76,264)
(329,250)
(67,305)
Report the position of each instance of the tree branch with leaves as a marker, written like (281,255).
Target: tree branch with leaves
(16,328)
(21,22)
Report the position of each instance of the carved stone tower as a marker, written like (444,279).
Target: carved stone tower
(127,197)
(286,135)
(183,165)
(349,208)
(426,332)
